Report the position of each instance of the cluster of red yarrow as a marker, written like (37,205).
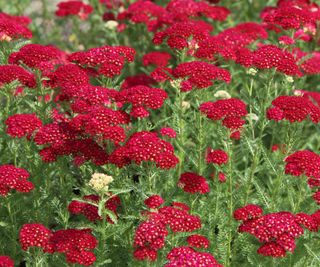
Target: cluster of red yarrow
(95,124)
(277,231)
(89,208)
(74,243)
(92,123)
(151,234)
(306,163)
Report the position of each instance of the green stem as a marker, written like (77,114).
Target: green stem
(230,203)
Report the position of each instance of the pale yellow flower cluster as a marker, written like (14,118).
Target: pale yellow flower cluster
(100,181)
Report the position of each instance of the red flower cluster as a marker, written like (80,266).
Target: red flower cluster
(109,60)
(14,27)
(231,42)
(271,56)
(277,231)
(198,241)
(63,139)
(101,121)
(303,162)
(148,239)
(145,146)
(313,96)
(154,16)
(167,131)
(288,15)
(6,261)
(179,220)
(146,12)
(90,211)
(142,97)
(159,59)
(218,157)
(293,109)
(199,75)
(10,73)
(69,75)
(183,256)
(86,99)
(74,8)
(192,183)
(35,235)
(139,79)
(306,163)
(154,201)
(178,35)
(230,111)
(75,244)
(43,57)
(12,177)
(311,66)
(185,9)
(151,234)
(248,212)
(20,125)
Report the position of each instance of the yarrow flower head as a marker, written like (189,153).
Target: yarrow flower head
(167,131)
(12,177)
(311,66)
(6,261)
(247,212)
(100,181)
(231,43)
(159,59)
(14,27)
(89,208)
(154,201)
(199,75)
(141,98)
(151,234)
(35,235)
(198,241)
(145,146)
(182,256)
(218,157)
(42,57)
(74,8)
(222,94)
(20,125)
(293,109)
(10,73)
(76,244)
(231,111)
(146,12)
(107,60)
(193,183)
(69,75)
(304,162)
(179,33)
(289,16)
(271,56)
(277,231)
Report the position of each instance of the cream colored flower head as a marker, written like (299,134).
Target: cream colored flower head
(253,117)
(176,83)
(111,24)
(289,79)
(222,94)
(252,71)
(185,105)
(100,181)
